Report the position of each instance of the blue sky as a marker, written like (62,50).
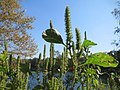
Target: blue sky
(92,16)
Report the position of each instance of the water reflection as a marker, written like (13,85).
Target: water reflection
(37,79)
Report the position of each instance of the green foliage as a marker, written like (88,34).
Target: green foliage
(102,59)
(25,68)
(3,56)
(51,63)
(78,39)
(68,31)
(44,52)
(88,44)
(86,71)
(11,77)
(54,83)
(76,59)
(68,26)
(2,69)
(52,35)
(39,63)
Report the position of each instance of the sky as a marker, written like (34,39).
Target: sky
(92,16)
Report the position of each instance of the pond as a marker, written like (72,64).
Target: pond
(33,80)
(37,79)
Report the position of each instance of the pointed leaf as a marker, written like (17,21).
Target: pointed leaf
(102,59)
(88,44)
(52,36)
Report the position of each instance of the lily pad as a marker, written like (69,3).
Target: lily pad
(102,59)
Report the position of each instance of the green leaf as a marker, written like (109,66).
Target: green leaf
(91,71)
(88,44)
(95,82)
(52,36)
(102,59)
(3,56)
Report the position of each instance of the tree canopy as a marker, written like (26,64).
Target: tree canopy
(13,29)
(116,13)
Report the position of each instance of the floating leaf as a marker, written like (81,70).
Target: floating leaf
(88,43)
(102,59)
(52,36)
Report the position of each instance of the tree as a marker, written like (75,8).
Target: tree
(57,54)
(13,28)
(116,13)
